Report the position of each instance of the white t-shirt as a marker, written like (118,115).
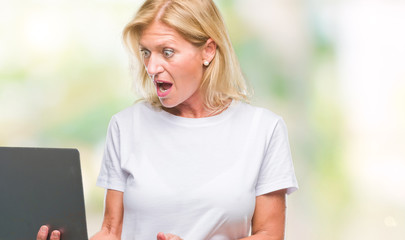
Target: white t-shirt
(194,177)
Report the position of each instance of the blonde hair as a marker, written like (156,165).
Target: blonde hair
(196,21)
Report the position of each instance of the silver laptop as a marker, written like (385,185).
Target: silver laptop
(41,186)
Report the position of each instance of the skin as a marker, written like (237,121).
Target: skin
(268,222)
(171,58)
(43,233)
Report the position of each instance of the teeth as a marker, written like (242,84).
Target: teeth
(162,89)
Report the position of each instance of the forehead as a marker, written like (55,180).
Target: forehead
(159,33)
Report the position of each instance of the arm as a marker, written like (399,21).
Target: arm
(268,221)
(113,216)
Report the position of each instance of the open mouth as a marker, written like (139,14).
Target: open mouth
(163,87)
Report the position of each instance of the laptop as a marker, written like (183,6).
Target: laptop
(41,186)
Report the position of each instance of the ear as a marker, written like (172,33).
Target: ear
(209,50)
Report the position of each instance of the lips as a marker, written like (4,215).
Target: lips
(163,87)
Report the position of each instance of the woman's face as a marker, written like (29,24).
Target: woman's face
(174,64)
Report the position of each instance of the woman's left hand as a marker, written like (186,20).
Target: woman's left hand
(168,236)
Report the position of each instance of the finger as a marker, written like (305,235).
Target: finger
(55,235)
(160,236)
(42,233)
(170,236)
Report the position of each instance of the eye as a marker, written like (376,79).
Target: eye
(145,53)
(168,53)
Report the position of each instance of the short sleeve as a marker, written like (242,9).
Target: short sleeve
(277,170)
(111,174)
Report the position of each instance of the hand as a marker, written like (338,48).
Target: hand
(167,236)
(43,234)
(102,235)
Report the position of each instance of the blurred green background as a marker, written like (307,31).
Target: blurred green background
(335,70)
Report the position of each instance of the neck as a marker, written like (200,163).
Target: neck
(188,111)
(198,111)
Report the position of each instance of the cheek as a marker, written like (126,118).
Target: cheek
(187,70)
(191,72)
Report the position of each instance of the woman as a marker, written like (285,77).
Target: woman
(193,160)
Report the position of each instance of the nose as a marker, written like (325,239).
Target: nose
(153,65)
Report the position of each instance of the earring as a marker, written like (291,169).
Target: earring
(206,63)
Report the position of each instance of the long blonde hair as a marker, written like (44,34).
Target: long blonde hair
(196,21)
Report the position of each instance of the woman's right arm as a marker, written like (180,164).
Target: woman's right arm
(113,217)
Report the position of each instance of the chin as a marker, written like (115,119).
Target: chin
(166,103)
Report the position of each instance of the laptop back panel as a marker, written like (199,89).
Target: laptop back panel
(41,186)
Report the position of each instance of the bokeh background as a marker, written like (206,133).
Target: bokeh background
(335,70)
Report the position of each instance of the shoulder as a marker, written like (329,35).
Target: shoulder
(130,112)
(126,118)
(264,115)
